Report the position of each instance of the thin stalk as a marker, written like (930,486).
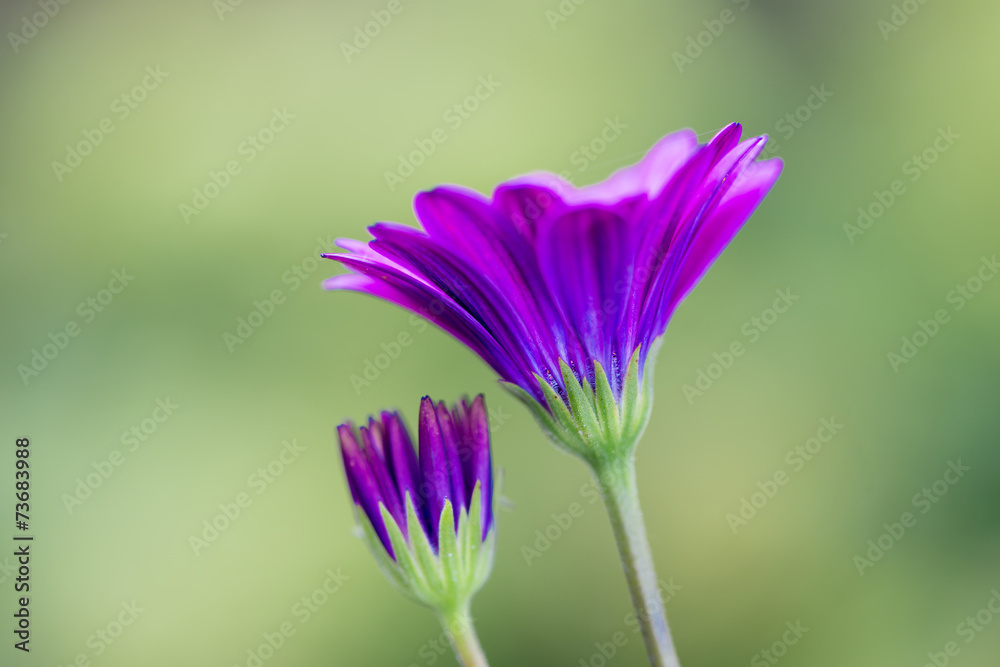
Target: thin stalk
(457,624)
(617,480)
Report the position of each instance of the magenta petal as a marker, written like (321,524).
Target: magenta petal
(523,205)
(661,226)
(723,172)
(647,177)
(469,227)
(723,225)
(428,301)
(584,255)
(493,306)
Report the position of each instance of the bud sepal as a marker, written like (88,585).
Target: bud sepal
(445,578)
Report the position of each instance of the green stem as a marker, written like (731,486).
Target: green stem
(457,623)
(621,496)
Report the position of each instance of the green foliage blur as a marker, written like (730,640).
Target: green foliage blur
(207,152)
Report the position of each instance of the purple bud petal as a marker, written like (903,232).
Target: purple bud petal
(450,438)
(377,466)
(402,460)
(481,462)
(433,465)
(364,487)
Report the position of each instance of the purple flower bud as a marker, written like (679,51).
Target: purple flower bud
(454,457)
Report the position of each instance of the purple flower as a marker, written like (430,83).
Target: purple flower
(454,457)
(544,272)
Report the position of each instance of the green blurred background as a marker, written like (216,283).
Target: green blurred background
(224,70)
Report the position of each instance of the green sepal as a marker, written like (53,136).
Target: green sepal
(406,569)
(470,532)
(484,563)
(607,407)
(423,552)
(589,422)
(637,401)
(581,401)
(481,554)
(557,406)
(448,555)
(388,566)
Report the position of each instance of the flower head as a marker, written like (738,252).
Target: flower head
(556,286)
(433,506)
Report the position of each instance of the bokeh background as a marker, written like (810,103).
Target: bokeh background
(893,76)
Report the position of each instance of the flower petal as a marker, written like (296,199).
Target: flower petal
(584,253)
(468,288)
(472,422)
(647,177)
(663,296)
(466,225)
(456,483)
(401,459)
(364,487)
(435,482)
(428,301)
(374,454)
(723,225)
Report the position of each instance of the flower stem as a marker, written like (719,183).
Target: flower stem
(457,623)
(617,480)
